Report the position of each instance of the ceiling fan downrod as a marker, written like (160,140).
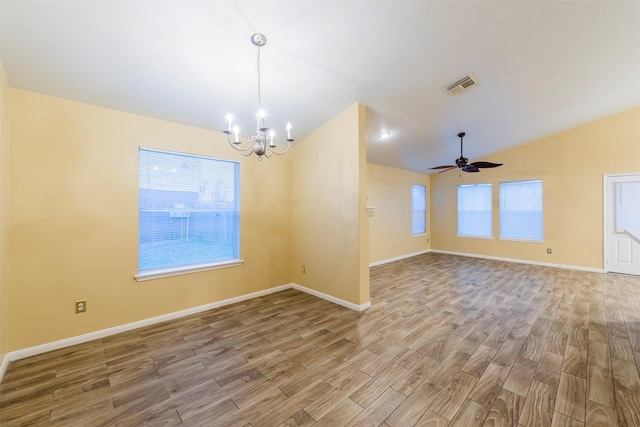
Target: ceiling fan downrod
(462,161)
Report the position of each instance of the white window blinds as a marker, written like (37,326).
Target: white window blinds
(474,210)
(188,210)
(521,210)
(418,209)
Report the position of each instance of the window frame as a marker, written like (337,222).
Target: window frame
(156,273)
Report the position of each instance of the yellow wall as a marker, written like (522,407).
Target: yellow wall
(363,216)
(70,210)
(389,190)
(571,165)
(73,215)
(4,149)
(329,231)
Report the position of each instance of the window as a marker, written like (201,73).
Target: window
(474,210)
(188,211)
(627,195)
(521,210)
(418,209)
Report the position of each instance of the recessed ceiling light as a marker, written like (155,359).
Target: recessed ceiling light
(385,134)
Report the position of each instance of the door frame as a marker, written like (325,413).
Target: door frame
(608,211)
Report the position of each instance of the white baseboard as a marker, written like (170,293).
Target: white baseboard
(3,365)
(80,339)
(332,299)
(398,258)
(522,261)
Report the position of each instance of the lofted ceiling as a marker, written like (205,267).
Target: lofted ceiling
(542,66)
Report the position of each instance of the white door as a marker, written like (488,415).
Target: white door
(622,224)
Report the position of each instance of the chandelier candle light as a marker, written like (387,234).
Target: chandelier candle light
(262,143)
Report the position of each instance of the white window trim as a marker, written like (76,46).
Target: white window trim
(475,236)
(418,234)
(514,239)
(177,271)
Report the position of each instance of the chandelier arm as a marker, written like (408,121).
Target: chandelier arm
(237,147)
(245,153)
(283,152)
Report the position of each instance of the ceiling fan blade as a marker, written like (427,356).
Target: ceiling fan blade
(462,162)
(444,170)
(443,167)
(485,164)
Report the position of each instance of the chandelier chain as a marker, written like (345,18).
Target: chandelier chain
(259,79)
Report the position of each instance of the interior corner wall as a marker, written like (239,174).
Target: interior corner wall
(389,192)
(363,215)
(4,149)
(73,220)
(571,165)
(329,232)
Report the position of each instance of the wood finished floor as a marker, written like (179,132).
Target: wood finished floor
(449,341)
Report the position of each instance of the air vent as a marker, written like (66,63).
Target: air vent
(462,84)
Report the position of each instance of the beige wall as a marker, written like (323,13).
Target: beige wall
(389,191)
(73,215)
(4,149)
(329,234)
(69,212)
(571,165)
(363,216)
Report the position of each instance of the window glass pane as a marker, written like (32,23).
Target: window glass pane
(521,210)
(188,210)
(474,210)
(418,209)
(627,207)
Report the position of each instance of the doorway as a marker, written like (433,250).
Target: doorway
(622,223)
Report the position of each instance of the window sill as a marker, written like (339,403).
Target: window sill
(176,271)
(419,235)
(513,239)
(469,236)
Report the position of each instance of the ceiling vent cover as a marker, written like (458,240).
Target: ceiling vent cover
(461,85)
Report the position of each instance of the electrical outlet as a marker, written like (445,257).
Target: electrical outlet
(81,306)
(303,269)
(549,251)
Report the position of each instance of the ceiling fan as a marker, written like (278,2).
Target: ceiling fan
(463,164)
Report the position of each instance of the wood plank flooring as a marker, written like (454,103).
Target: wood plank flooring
(449,341)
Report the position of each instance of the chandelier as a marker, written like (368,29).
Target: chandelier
(262,143)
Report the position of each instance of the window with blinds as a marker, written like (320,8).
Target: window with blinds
(418,209)
(188,210)
(474,210)
(521,210)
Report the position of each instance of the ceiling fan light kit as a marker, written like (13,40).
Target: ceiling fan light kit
(463,164)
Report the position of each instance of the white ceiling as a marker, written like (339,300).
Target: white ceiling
(543,66)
